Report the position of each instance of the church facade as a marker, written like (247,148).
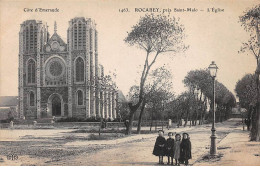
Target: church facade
(63,79)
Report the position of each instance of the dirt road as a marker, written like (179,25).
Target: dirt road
(133,150)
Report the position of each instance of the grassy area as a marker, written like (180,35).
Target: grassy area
(111,130)
(96,130)
(103,136)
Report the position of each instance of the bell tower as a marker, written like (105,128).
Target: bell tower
(82,41)
(32,37)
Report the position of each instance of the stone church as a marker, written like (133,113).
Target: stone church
(63,79)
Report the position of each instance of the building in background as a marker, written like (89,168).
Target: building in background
(63,79)
(238,112)
(8,107)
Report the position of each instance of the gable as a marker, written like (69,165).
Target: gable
(55,44)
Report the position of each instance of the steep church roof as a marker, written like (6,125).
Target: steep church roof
(56,37)
(55,43)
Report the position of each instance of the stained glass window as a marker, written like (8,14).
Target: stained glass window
(55,68)
(80,97)
(31,71)
(79,70)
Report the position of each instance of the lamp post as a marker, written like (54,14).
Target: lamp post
(213,72)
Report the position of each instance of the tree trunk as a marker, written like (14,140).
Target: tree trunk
(222,115)
(187,117)
(151,121)
(210,115)
(200,108)
(202,111)
(130,123)
(253,130)
(250,116)
(203,107)
(258,124)
(140,117)
(220,112)
(196,119)
(178,120)
(205,110)
(133,109)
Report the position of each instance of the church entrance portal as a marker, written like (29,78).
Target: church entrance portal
(56,106)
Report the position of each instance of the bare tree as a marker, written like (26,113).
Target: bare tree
(155,35)
(157,89)
(158,86)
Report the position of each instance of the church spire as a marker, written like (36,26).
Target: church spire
(55,27)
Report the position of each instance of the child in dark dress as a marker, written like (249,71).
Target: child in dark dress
(159,146)
(185,148)
(169,152)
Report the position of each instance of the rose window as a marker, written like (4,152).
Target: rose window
(55,68)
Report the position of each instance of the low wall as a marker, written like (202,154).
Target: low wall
(86,124)
(63,125)
(80,124)
(4,125)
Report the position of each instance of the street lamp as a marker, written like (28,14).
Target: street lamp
(213,72)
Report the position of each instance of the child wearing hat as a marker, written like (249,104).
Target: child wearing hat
(169,152)
(185,146)
(159,146)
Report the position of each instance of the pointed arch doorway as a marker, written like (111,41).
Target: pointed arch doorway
(55,105)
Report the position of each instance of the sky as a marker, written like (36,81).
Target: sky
(211,36)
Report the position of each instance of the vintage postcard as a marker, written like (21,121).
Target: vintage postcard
(129,83)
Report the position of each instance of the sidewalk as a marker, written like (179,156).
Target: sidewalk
(236,149)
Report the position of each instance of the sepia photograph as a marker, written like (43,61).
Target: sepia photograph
(130,83)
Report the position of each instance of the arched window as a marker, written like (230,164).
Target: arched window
(80,97)
(31,99)
(79,69)
(31,71)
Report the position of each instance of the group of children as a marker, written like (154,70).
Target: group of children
(177,149)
